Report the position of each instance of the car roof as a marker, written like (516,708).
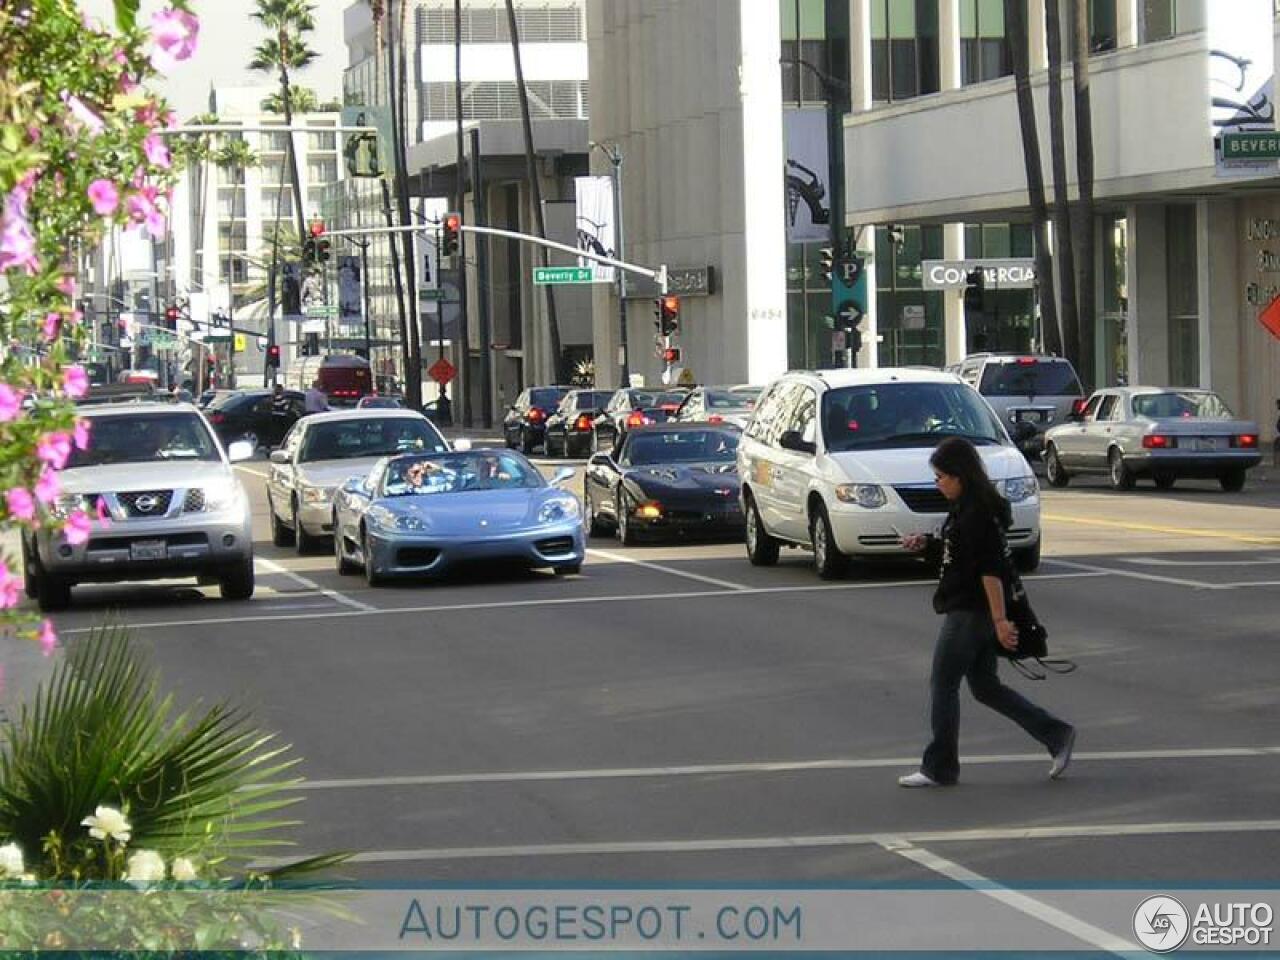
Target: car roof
(368,413)
(866,376)
(141,406)
(683,427)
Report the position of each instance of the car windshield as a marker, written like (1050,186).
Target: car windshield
(672,399)
(459,473)
(679,446)
(369,437)
(146,437)
(731,399)
(1181,403)
(1030,377)
(591,399)
(888,415)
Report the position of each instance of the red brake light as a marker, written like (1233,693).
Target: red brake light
(217,417)
(715,418)
(637,419)
(1245,440)
(1026,361)
(1077,406)
(535,414)
(670,407)
(1156,441)
(583,422)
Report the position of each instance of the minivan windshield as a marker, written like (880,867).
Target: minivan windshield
(1030,377)
(888,415)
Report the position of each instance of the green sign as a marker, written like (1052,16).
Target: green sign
(1251,146)
(430,293)
(218,336)
(159,339)
(546,275)
(324,310)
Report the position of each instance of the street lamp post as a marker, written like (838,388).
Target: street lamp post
(614,154)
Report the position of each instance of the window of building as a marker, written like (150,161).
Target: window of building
(1103,27)
(321,140)
(275,142)
(231,204)
(1163,19)
(908,339)
(500,100)
(984,49)
(230,176)
(322,171)
(270,199)
(234,270)
(1114,351)
(273,171)
(904,49)
(548,24)
(803,41)
(1184,295)
(231,236)
(1006,321)
(808,304)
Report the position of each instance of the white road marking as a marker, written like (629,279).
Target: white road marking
(1241,584)
(1135,575)
(674,571)
(800,842)
(1162,562)
(272,567)
(1023,903)
(765,767)
(365,610)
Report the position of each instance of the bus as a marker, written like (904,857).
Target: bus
(344,378)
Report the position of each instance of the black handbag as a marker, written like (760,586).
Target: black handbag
(1033,637)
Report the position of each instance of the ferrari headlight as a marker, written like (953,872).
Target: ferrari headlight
(868,495)
(554,511)
(1017,489)
(315,495)
(406,521)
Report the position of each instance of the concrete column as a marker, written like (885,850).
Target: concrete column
(1148,321)
(860,54)
(869,355)
(949,44)
(955,333)
(1126,23)
(1037,43)
(1218,288)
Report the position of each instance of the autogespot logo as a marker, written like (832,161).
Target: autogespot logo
(1161,924)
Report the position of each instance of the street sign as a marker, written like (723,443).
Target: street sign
(322,310)
(1250,146)
(849,314)
(240,343)
(686,378)
(1008,273)
(162,340)
(442,371)
(555,275)
(429,293)
(848,270)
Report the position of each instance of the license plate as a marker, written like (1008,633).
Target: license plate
(147,550)
(1030,416)
(1207,443)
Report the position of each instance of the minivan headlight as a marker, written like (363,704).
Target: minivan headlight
(1018,489)
(867,495)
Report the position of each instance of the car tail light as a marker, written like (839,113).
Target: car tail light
(1078,405)
(583,422)
(217,418)
(1157,441)
(649,511)
(1026,361)
(715,418)
(1245,440)
(670,407)
(535,415)
(638,419)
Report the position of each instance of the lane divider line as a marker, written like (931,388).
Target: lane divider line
(1136,575)
(365,610)
(272,567)
(662,568)
(1157,528)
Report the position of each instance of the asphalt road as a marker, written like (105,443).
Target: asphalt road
(675,715)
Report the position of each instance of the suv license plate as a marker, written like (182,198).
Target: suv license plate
(147,550)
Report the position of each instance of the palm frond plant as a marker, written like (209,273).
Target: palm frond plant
(301,100)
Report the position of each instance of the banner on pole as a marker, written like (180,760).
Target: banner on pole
(595,226)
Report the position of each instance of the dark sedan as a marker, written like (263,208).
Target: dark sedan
(569,429)
(670,478)
(525,425)
(633,407)
(254,416)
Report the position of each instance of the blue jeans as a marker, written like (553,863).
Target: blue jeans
(966,649)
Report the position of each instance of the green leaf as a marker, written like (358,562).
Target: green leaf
(126,14)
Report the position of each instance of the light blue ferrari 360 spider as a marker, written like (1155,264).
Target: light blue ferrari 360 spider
(420,514)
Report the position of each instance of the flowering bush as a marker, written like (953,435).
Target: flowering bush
(81,152)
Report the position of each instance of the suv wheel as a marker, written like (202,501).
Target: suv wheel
(1028,558)
(281,536)
(762,549)
(52,593)
(1121,476)
(829,562)
(236,583)
(1054,472)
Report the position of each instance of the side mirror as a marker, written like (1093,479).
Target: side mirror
(562,475)
(355,485)
(240,450)
(279,456)
(600,460)
(462,444)
(791,440)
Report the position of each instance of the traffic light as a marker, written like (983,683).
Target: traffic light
(671,356)
(171,314)
(319,242)
(450,226)
(828,259)
(308,250)
(668,314)
(273,355)
(975,286)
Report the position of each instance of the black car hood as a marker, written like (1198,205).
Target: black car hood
(712,477)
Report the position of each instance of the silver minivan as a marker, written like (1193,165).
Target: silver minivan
(1040,391)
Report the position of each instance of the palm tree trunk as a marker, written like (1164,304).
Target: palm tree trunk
(396,99)
(1015,17)
(1084,207)
(200,174)
(535,191)
(286,97)
(1062,239)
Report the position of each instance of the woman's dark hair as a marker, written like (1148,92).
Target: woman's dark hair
(959,458)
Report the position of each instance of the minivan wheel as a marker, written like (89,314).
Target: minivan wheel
(1121,476)
(1053,469)
(829,562)
(762,549)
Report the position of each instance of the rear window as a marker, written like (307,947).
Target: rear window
(545,397)
(1181,403)
(368,437)
(1041,378)
(231,401)
(591,399)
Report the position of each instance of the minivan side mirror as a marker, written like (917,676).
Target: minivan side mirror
(792,440)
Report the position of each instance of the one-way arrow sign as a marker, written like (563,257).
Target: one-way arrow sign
(850,314)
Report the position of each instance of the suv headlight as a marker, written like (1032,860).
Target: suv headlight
(69,503)
(554,511)
(1018,489)
(221,496)
(868,495)
(315,495)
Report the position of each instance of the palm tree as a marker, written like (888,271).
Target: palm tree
(236,156)
(195,150)
(302,100)
(1062,240)
(1015,17)
(535,189)
(285,50)
(1084,208)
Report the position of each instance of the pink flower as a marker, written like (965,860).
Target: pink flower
(174,33)
(67,284)
(142,209)
(157,153)
(17,242)
(77,528)
(83,115)
(48,639)
(21,504)
(10,403)
(100,511)
(54,449)
(80,436)
(10,588)
(52,323)
(48,486)
(147,115)
(75,382)
(104,196)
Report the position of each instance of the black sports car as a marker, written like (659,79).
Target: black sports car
(677,478)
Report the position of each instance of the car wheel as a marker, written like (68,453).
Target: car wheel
(626,532)
(28,572)
(506,439)
(1121,476)
(52,593)
(303,542)
(526,443)
(762,549)
(829,562)
(568,569)
(251,438)
(1232,481)
(372,575)
(1165,481)
(1054,472)
(594,527)
(340,561)
(236,583)
(1028,558)
(281,536)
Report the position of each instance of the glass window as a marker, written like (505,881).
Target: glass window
(1028,376)
(1163,19)
(347,439)
(321,140)
(322,171)
(679,446)
(1108,408)
(984,50)
(804,416)
(1182,403)
(904,49)
(458,473)
(143,438)
(1184,309)
(275,142)
(895,415)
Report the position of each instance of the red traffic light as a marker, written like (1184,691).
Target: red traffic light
(450,225)
(671,355)
(452,221)
(317,228)
(172,313)
(670,307)
(273,355)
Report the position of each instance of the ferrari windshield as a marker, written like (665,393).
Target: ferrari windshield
(679,446)
(459,473)
(887,415)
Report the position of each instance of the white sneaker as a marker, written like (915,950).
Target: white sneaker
(917,779)
(1062,758)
